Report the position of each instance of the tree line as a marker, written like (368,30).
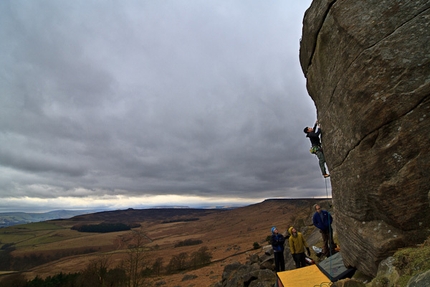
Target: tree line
(103,227)
(9,262)
(133,271)
(188,242)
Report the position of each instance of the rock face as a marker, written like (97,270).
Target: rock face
(367,66)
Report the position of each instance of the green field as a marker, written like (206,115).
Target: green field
(31,234)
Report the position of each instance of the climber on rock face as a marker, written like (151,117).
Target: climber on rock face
(316,148)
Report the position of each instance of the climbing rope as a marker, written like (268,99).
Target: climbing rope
(330,241)
(326,188)
(330,232)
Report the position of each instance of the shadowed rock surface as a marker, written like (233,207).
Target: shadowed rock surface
(367,66)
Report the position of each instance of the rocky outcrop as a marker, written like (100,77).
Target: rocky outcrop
(237,274)
(406,265)
(421,279)
(367,66)
(258,271)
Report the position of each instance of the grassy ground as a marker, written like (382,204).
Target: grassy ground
(23,233)
(412,261)
(35,234)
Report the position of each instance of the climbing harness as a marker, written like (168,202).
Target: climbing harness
(314,149)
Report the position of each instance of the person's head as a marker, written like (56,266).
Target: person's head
(308,130)
(292,231)
(317,208)
(274,230)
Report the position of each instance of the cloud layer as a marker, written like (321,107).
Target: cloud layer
(177,100)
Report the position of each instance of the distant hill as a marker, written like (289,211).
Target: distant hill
(15,218)
(156,213)
(150,214)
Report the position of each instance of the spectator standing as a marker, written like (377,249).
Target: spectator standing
(278,241)
(297,247)
(322,219)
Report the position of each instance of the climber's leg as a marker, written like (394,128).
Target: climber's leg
(321,159)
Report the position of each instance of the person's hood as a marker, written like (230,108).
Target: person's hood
(290,230)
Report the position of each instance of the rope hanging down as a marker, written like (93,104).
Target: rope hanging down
(327,189)
(330,241)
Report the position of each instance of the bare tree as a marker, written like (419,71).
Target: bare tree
(157,266)
(136,261)
(95,272)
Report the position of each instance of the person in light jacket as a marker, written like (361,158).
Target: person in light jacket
(297,247)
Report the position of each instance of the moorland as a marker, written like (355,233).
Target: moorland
(51,247)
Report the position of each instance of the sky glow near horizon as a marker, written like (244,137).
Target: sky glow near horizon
(152,103)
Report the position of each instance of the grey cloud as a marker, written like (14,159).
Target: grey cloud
(150,97)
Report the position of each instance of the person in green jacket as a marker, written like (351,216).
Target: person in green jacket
(297,247)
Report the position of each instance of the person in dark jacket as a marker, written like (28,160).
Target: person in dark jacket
(278,241)
(316,148)
(322,220)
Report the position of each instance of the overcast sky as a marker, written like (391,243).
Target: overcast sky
(118,104)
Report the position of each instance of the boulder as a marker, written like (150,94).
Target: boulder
(189,277)
(367,66)
(253,258)
(421,279)
(387,274)
(256,274)
(267,262)
(237,274)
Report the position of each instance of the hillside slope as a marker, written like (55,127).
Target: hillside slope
(228,234)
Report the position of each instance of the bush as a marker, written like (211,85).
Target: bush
(8,246)
(200,257)
(188,242)
(178,262)
(15,280)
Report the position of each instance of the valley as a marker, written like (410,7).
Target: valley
(229,236)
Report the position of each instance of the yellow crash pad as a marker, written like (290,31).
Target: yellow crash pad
(308,276)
